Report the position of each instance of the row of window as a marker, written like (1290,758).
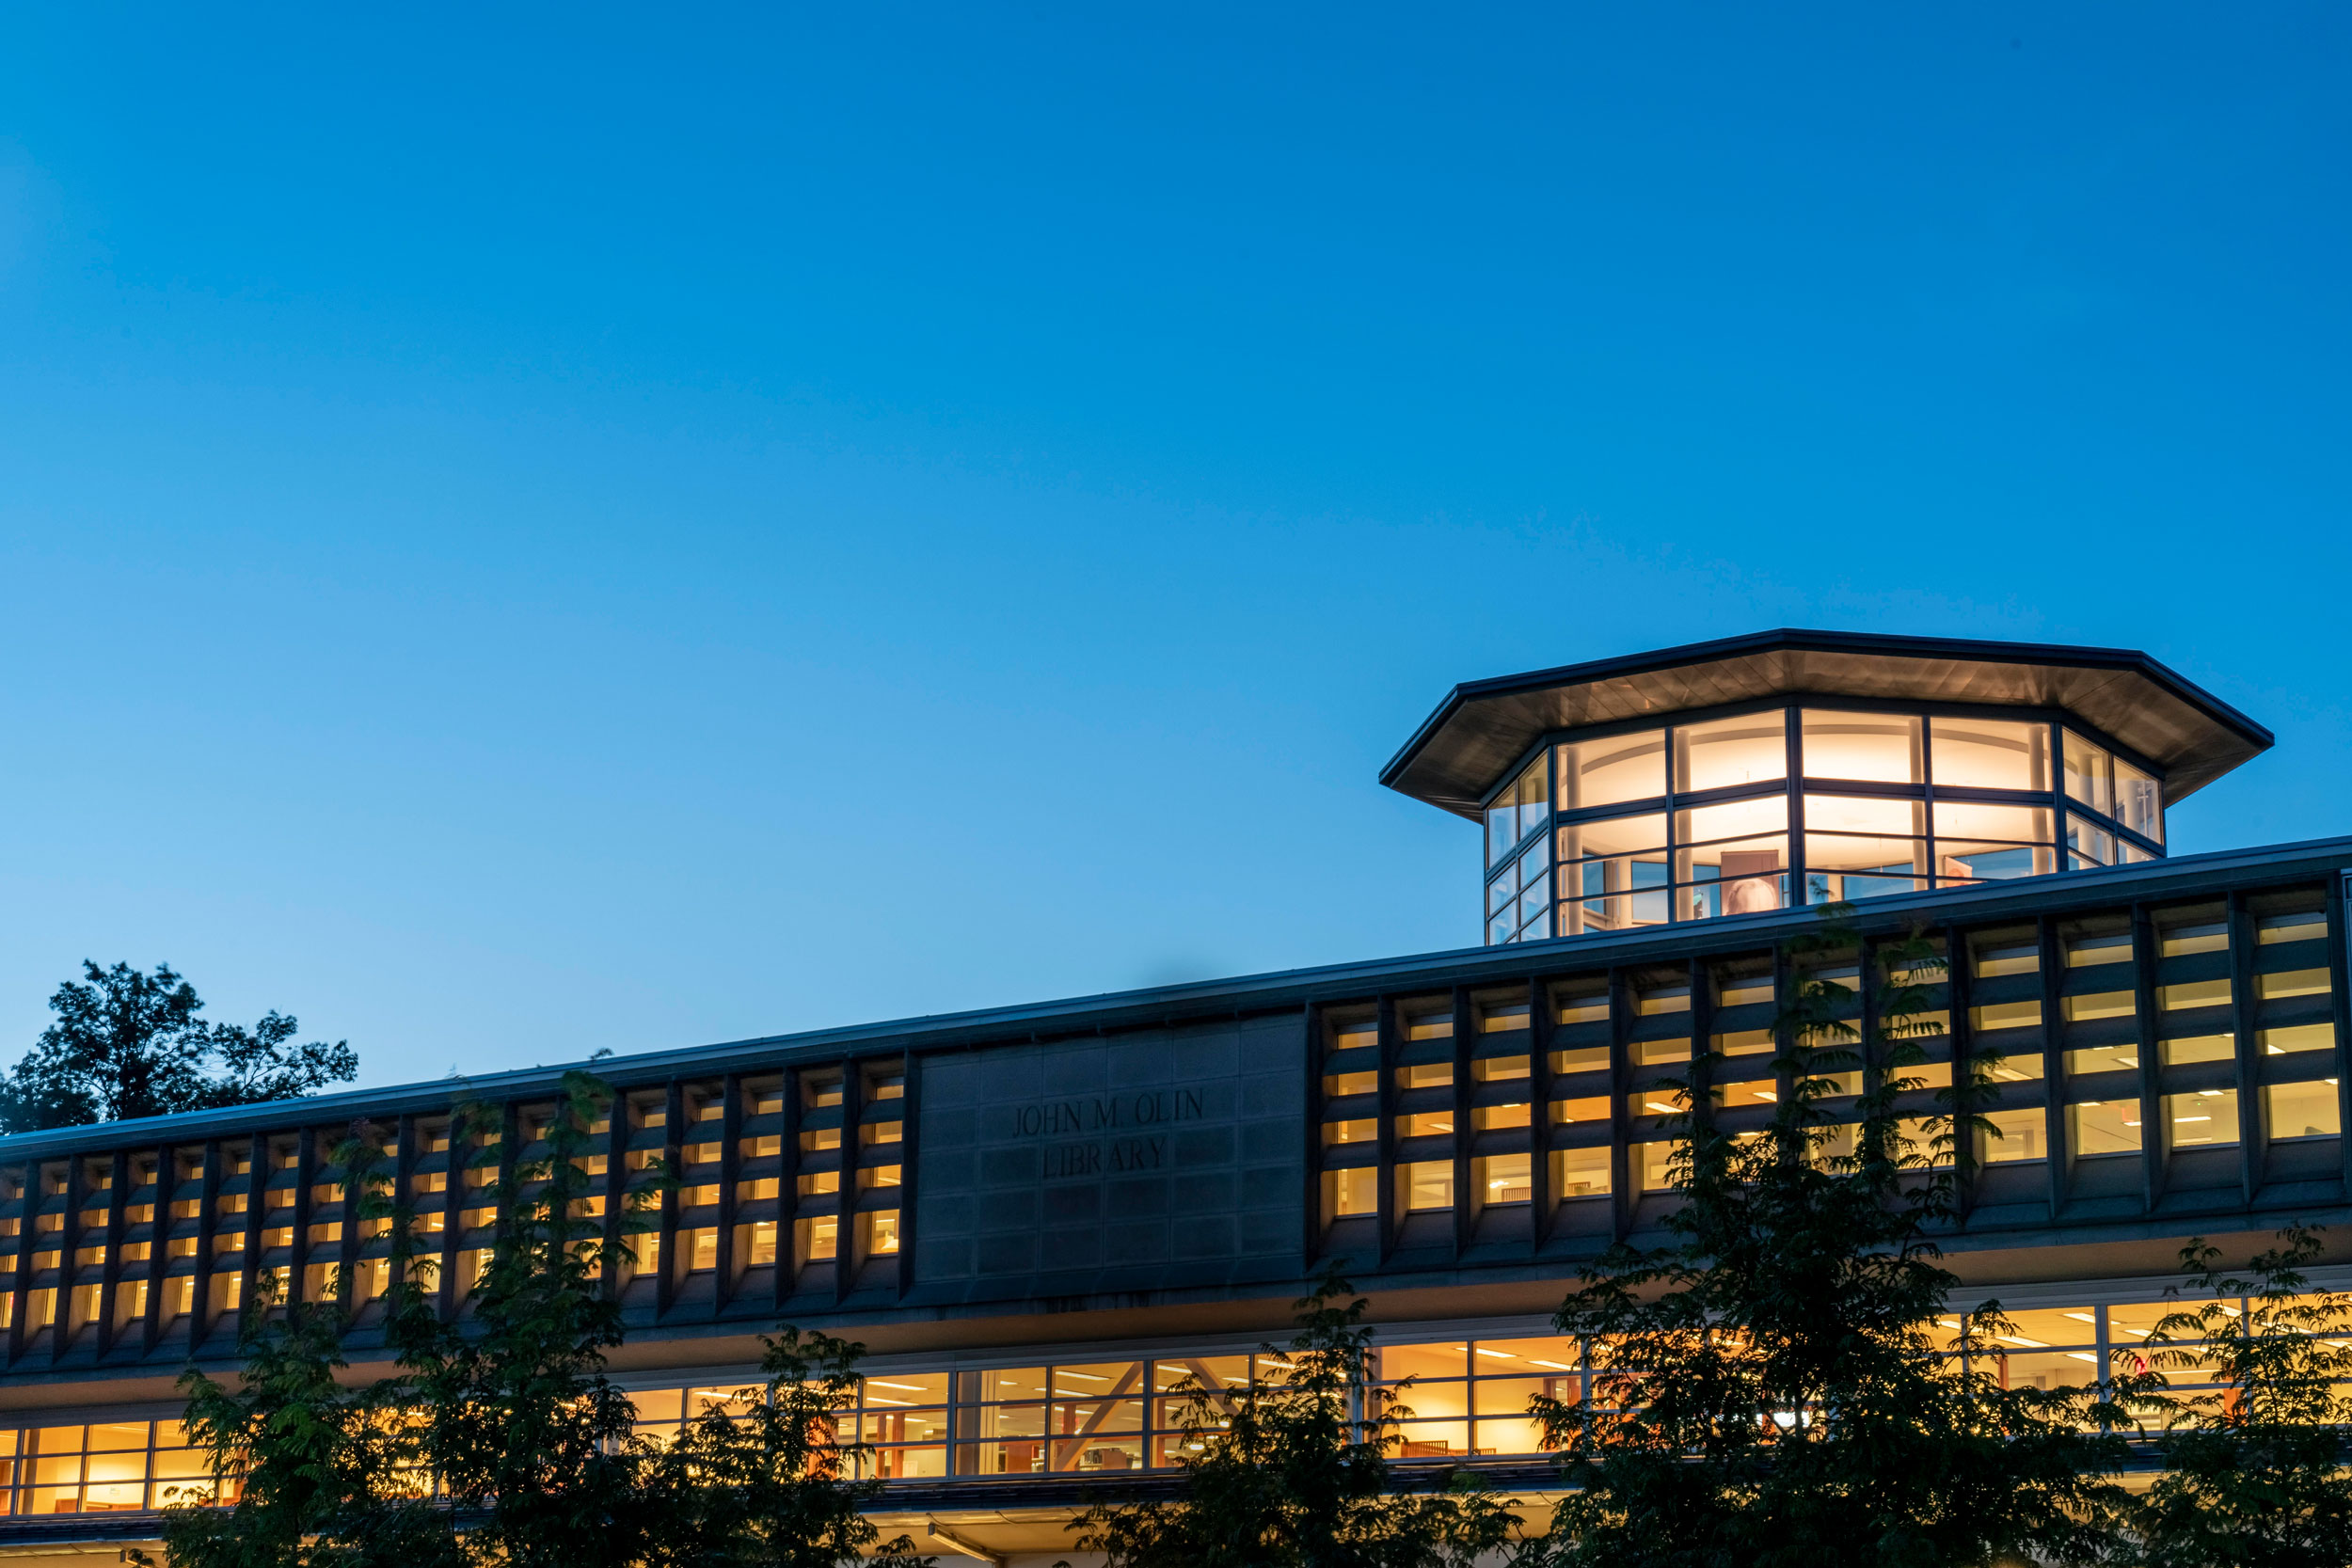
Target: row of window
(1443,1099)
(218,1218)
(1464,1397)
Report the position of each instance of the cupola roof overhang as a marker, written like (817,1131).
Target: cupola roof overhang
(1483,727)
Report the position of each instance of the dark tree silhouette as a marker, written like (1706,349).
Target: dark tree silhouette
(1773,1388)
(1293,1470)
(2254,1474)
(128,1044)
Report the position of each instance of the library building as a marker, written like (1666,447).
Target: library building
(1040,1219)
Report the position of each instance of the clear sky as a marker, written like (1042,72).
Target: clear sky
(525,531)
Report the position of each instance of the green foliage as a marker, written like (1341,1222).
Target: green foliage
(528,1435)
(1294,1471)
(128,1044)
(510,1409)
(765,1482)
(2254,1474)
(322,1476)
(1770,1386)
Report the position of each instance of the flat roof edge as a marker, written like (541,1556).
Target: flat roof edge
(1270,992)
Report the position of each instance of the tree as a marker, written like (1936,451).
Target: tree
(1293,1471)
(129,1044)
(2254,1474)
(1770,1386)
(313,1473)
(766,1481)
(528,1435)
(508,1409)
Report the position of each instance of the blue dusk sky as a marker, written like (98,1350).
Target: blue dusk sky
(531,529)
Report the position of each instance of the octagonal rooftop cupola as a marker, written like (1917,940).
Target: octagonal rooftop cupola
(1792,768)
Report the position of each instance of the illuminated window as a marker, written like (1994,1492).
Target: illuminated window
(1503,1178)
(815,1239)
(1426,1184)
(1580,1172)
(701,1250)
(2206,1116)
(2302,1110)
(2015,1135)
(2104,1127)
(1350,1192)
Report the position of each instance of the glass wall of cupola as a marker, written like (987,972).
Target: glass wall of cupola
(1799,803)
(1786,769)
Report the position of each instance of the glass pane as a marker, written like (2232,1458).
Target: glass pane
(2207,1116)
(2095,1005)
(1861,814)
(1449,1359)
(2104,1127)
(1535,804)
(1614,895)
(2012,824)
(2138,801)
(1580,1172)
(2299,1036)
(1533,864)
(1612,835)
(1753,749)
(2294,1110)
(1351,1192)
(2197,1048)
(1426,1184)
(1741,876)
(1593,1108)
(2302,925)
(1657,1102)
(1965,860)
(1431,1439)
(1096,1379)
(1829,887)
(1733,819)
(2015,1135)
(1741,895)
(1656,1164)
(2045,1368)
(1506,1179)
(2292,982)
(2052,1328)
(2087,776)
(1502,828)
(1511,1355)
(2194,993)
(1504,890)
(2102,1058)
(2092,845)
(118,1435)
(1887,857)
(2180,941)
(2090,952)
(1986,753)
(1612,771)
(1862,746)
